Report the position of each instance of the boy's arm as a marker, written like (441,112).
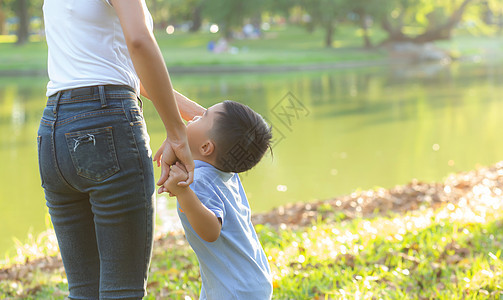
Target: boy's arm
(204,222)
(188,108)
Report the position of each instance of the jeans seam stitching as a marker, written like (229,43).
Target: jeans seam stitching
(148,236)
(55,158)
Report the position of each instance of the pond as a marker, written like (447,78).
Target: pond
(335,131)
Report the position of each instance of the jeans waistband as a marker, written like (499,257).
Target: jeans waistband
(89,93)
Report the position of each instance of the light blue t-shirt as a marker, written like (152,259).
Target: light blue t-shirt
(235,265)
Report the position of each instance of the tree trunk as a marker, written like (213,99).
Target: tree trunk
(437,33)
(24,22)
(2,19)
(226,30)
(329,33)
(197,18)
(443,31)
(365,28)
(2,22)
(394,34)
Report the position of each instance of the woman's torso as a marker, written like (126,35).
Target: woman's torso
(86,45)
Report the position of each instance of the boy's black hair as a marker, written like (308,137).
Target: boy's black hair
(241,137)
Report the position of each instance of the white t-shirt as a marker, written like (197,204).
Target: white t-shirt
(86,45)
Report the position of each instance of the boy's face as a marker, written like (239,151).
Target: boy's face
(198,129)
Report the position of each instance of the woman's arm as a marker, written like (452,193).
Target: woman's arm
(151,69)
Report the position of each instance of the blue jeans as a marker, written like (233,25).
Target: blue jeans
(96,170)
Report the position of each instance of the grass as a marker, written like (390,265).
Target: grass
(451,252)
(288,45)
(282,45)
(32,56)
(362,260)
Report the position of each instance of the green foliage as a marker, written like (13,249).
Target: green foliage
(424,13)
(230,14)
(174,12)
(323,12)
(453,252)
(281,7)
(377,9)
(408,17)
(427,16)
(8,7)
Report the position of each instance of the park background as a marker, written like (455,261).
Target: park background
(384,180)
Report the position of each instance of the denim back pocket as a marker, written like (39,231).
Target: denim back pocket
(93,153)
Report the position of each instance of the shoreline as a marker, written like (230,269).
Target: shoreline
(465,189)
(232,69)
(267,68)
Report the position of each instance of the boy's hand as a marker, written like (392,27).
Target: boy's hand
(167,155)
(177,174)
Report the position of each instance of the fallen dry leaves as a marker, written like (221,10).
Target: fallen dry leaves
(468,188)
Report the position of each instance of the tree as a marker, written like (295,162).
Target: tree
(229,14)
(22,10)
(23,22)
(366,12)
(2,17)
(492,14)
(177,12)
(197,17)
(325,13)
(281,7)
(435,18)
(7,10)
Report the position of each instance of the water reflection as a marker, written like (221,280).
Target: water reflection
(336,131)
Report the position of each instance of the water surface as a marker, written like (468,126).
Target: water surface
(336,131)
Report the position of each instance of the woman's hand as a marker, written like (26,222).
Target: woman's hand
(167,155)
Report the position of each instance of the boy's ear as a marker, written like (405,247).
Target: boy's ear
(207,148)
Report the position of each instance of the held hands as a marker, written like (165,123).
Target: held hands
(177,174)
(168,154)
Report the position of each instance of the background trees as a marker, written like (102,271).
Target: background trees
(16,15)
(433,20)
(415,21)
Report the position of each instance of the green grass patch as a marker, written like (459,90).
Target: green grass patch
(288,45)
(449,253)
(31,56)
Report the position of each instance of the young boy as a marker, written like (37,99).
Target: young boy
(228,139)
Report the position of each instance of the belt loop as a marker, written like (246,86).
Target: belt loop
(56,103)
(103,98)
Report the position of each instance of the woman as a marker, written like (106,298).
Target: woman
(94,154)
